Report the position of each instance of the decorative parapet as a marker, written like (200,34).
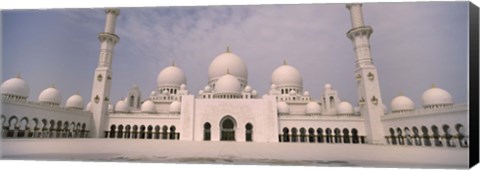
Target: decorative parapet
(23,102)
(350,117)
(427,111)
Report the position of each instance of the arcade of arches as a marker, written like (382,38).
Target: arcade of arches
(142,132)
(13,127)
(320,135)
(439,136)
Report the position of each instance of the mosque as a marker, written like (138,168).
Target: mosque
(229,109)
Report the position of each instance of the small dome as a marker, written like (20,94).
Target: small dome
(436,96)
(356,109)
(175,107)
(88,108)
(165,92)
(171,76)
(121,106)
(200,92)
(51,96)
(328,86)
(183,87)
(75,101)
(286,75)
(273,87)
(283,108)
(344,108)
(385,108)
(153,93)
(207,89)
(306,93)
(15,87)
(402,103)
(229,61)
(248,89)
(228,84)
(313,108)
(148,107)
(292,92)
(254,92)
(110,107)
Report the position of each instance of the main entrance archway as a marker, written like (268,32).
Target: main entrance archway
(227,129)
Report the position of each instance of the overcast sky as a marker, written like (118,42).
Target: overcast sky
(413,45)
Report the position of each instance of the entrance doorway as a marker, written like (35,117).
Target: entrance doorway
(227,125)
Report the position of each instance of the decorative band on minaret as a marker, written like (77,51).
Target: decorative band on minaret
(108,38)
(360,35)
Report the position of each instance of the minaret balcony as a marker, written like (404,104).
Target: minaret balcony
(360,31)
(108,36)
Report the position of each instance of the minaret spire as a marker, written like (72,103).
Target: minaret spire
(368,86)
(103,75)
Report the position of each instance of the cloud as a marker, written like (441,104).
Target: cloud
(413,45)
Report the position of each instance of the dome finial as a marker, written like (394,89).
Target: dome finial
(228,49)
(284,61)
(401,93)
(77,93)
(433,85)
(228,71)
(53,85)
(173,63)
(18,75)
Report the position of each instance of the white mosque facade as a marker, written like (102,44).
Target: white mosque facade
(229,109)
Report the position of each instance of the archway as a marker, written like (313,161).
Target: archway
(206,131)
(227,129)
(249,132)
(286,136)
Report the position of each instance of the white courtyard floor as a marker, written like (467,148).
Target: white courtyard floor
(306,154)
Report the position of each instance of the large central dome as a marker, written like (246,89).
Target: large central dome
(227,61)
(286,75)
(171,76)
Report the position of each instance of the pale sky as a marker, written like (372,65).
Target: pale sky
(414,44)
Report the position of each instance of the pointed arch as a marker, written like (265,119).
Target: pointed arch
(142,131)
(426,136)
(173,134)
(112,131)
(355,138)
(228,126)
(448,135)
(157,132)
(311,135)
(328,132)
(120,131)
(294,135)
(164,132)
(346,136)
(286,136)
(207,131)
(320,135)
(249,132)
(303,135)
(436,136)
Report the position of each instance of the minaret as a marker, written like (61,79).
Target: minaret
(368,88)
(103,74)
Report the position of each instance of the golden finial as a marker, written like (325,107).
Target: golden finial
(173,63)
(433,85)
(77,93)
(228,49)
(228,71)
(53,85)
(401,93)
(18,76)
(284,61)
